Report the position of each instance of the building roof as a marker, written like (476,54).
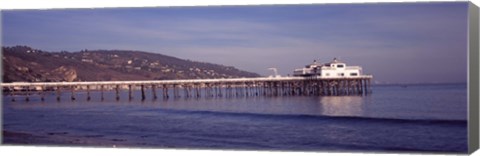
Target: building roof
(335,60)
(314,64)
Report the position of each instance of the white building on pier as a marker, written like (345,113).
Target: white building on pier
(334,69)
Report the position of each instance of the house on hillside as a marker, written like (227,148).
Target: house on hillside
(334,69)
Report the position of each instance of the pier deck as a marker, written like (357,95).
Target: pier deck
(265,86)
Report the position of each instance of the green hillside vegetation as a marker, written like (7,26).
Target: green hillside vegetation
(25,64)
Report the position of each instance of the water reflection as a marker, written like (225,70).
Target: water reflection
(294,105)
(342,105)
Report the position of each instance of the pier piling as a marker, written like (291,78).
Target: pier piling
(101,93)
(130,92)
(88,93)
(72,88)
(143,92)
(27,97)
(117,94)
(58,93)
(154,92)
(12,93)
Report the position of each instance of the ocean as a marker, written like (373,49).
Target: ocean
(394,118)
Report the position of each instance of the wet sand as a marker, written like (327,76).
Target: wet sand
(59,139)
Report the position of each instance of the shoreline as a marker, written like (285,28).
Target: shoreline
(13,138)
(59,139)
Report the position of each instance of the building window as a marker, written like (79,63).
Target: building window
(327,74)
(341,74)
(340,66)
(353,74)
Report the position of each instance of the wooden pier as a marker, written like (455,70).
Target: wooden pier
(233,87)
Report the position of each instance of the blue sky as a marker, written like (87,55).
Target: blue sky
(398,43)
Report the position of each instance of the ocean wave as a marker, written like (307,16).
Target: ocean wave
(316,117)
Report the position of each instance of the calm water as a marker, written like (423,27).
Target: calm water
(393,118)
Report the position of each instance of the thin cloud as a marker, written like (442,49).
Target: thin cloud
(423,37)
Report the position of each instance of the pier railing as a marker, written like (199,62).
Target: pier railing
(267,86)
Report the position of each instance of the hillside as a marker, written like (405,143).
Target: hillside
(22,63)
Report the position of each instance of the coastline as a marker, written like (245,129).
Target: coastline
(58,139)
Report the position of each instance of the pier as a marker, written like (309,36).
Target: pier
(196,88)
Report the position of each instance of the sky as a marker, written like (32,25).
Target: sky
(395,42)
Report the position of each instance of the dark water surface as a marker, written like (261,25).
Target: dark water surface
(393,118)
